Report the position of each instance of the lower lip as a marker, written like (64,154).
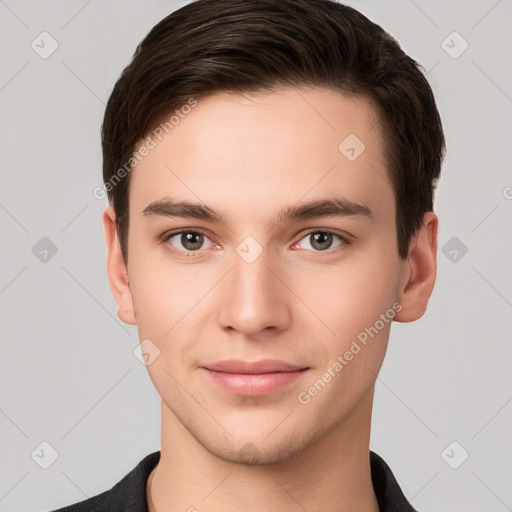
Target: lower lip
(254,385)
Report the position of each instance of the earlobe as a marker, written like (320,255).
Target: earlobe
(116,269)
(419,271)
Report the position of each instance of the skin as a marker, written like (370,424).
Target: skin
(248,157)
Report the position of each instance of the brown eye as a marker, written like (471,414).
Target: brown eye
(186,241)
(322,241)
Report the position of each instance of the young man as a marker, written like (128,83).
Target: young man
(270,167)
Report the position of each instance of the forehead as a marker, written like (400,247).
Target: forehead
(248,151)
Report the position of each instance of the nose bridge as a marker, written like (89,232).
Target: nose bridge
(253,298)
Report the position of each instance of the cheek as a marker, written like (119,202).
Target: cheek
(352,308)
(174,300)
(348,296)
(163,296)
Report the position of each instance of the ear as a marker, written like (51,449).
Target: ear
(116,269)
(419,271)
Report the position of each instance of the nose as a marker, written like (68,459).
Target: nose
(254,297)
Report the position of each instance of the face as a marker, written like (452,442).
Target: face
(289,254)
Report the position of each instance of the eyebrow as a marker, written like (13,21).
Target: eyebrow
(333,207)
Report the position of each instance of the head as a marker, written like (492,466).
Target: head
(251,110)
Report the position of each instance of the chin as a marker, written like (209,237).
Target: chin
(259,450)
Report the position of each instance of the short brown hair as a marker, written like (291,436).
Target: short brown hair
(211,46)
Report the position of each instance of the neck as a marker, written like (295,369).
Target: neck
(334,473)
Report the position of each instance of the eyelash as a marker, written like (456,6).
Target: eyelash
(345,241)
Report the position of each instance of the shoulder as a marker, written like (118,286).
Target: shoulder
(388,492)
(128,495)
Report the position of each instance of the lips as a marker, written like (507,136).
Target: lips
(252,368)
(256,378)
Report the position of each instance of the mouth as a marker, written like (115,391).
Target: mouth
(257,378)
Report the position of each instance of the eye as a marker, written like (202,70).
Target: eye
(187,241)
(190,242)
(322,240)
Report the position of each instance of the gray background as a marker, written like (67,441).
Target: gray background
(69,376)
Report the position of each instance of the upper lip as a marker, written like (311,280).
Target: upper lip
(252,367)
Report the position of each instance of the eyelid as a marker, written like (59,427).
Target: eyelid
(347,237)
(169,234)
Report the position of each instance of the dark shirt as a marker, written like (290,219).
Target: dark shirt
(129,494)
